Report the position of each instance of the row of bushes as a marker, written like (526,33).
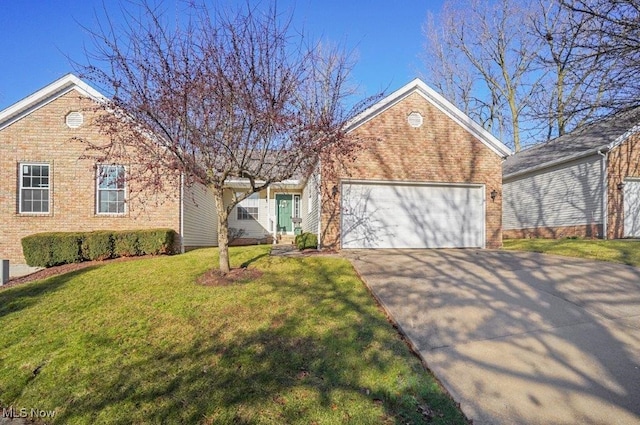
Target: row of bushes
(306,240)
(51,249)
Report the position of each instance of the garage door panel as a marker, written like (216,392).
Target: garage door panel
(411,216)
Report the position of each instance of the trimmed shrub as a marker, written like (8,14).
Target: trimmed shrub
(125,244)
(97,245)
(52,249)
(37,250)
(157,241)
(66,248)
(306,240)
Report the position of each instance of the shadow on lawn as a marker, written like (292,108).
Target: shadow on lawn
(278,372)
(252,260)
(26,295)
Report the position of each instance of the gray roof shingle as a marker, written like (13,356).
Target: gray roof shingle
(585,140)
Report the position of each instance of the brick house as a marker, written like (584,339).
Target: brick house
(585,183)
(428,177)
(46,184)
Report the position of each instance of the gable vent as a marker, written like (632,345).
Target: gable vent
(415,119)
(74,119)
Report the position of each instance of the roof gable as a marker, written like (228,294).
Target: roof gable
(46,95)
(442,104)
(598,136)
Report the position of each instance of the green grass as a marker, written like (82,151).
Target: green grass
(141,342)
(617,251)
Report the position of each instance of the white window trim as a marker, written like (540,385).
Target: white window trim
(21,187)
(98,189)
(253,197)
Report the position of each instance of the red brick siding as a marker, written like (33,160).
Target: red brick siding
(624,161)
(439,151)
(582,231)
(43,136)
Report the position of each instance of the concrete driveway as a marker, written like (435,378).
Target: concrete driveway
(518,338)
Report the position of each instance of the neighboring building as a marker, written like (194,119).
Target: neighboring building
(427,177)
(585,183)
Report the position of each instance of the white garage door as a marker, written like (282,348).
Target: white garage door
(631,196)
(412,216)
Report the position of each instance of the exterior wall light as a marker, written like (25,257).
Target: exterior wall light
(493,195)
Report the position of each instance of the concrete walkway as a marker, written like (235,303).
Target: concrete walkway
(19,270)
(518,338)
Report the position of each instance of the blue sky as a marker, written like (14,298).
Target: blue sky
(37,35)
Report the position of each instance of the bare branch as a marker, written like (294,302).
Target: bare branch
(220,94)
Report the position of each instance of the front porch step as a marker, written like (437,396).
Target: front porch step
(286,239)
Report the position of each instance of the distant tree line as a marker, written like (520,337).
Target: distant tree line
(531,70)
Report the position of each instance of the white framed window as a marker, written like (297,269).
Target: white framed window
(34,188)
(296,206)
(249,207)
(111,189)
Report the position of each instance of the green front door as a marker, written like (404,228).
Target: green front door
(284,205)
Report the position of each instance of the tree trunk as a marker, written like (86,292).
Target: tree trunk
(223,231)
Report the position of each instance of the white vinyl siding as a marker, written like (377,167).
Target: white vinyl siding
(251,228)
(392,215)
(34,188)
(200,221)
(565,195)
(310,204)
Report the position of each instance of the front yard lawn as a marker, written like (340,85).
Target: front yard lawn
(617,251)
(142,342)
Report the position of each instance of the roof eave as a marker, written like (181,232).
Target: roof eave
(46,95)
(623,137)
(244,184)
(549,164)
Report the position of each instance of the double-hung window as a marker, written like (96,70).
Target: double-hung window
(34,188)
(248,208)
(111,189)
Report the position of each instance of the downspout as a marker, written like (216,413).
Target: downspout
(605,191)
(181,219)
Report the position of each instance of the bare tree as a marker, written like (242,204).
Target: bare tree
(574,87)
(219,94)
(484,44)
(612,44)
(449,71)
(522,69)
